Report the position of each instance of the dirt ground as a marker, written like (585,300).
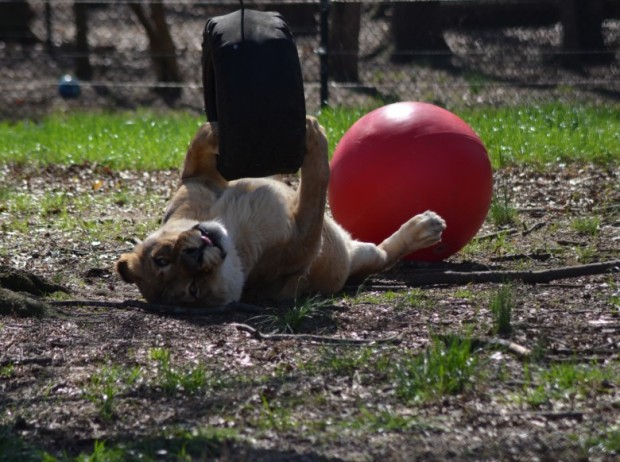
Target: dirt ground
(67,379)
(278,399)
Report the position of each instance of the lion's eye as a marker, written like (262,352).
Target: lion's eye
(161,261)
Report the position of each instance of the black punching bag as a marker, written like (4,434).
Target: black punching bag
(253,88)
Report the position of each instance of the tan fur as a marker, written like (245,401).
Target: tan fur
(222,241)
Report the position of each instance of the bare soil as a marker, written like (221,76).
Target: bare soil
(314,412)
(286,400)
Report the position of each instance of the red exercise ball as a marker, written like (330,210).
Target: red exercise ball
(403,159)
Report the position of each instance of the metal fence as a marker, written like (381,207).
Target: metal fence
(352,53)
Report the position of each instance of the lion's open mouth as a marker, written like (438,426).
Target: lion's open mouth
(209,238)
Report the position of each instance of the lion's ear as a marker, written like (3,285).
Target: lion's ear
(128,267)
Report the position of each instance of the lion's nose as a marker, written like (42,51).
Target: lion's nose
(192,257)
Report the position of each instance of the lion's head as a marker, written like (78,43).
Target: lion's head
(186,263)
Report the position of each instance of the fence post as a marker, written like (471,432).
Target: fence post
(323,51)
(49,43)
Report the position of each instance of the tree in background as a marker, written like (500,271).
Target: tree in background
(582,22)
(15,17)
(152,16)
(417,27)
(83,68)
(344,31)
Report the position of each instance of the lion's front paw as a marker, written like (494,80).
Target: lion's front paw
(433,225)
(316,161)
(210,133)
(316,140)
(423,230)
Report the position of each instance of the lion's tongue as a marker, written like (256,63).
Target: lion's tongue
(206,240)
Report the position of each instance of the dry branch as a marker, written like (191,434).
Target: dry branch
(316,338)
(481,342)
(515,348)
(511,231)
(530,277)
(234,307)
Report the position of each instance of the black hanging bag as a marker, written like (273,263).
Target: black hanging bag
(253,88)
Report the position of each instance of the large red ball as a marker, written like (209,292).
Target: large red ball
(403,159)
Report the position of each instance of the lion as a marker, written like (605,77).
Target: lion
(258,238)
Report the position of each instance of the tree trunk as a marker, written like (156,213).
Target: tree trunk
(163,50)
(582,23)
(15,17)
(300,17)
(344,31)
(83,68)
(417,28)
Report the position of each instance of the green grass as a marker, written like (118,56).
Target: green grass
(380,421)
(502,213)
(550,133)
(445,368)
(292,319)
(173,380)
(606,443)
(533,135)
(135,140)
(171,444)
(110,382)
(501,305)
(73,213)
(567,383)
(588,226)
(7,371)
(106,384)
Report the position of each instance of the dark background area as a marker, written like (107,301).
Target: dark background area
(147,53)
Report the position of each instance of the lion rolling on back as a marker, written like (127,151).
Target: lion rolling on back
(257,238)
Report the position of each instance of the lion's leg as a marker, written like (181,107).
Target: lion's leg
(201,158)
(312,194)
(419,232)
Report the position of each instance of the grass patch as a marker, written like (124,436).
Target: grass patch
(174,380)
(502,213)
(412,298)
(120,140)
(345,362)
(568,383)
(7,371)
(274,416)
(533,135)
(293,318)
(110,382)
(381,420)
(501,305)
(445,368)
(106,384)
(606,443)
(548,133)
(588,226)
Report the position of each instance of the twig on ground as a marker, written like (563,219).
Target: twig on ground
(234,307)
(479,342)
(515,348)
(316,338)
(521,256)
(534,227)
(530,277)
(550,415)
(503,232)
(511,231)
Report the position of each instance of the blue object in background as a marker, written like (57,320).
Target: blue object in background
(68,86)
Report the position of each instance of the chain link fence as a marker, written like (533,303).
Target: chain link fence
(352,53)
